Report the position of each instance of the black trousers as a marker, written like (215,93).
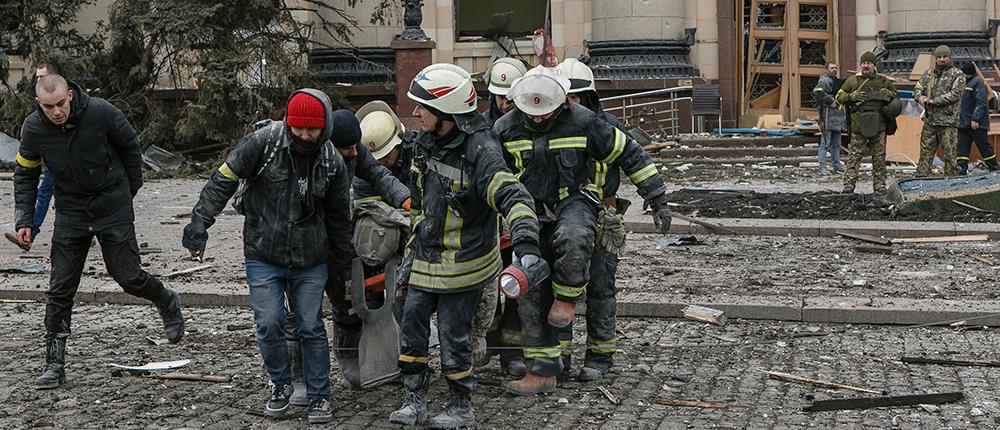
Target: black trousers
(69,254)
(601,315)
(455,314)
(966,136)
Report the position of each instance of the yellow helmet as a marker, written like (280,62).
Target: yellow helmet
(380,128)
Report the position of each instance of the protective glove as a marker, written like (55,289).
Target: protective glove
(528,253)
(886,94)
(479,351)
(661,214)
(195,237)
(858,97)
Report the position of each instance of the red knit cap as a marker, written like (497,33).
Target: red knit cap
(305,111)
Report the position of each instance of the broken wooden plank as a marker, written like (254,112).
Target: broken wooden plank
(12,301)
(874,249)
(709,315)
(150,250)
(706,224)
(698,404)
(881,402)
(864,237)
(966,205)
(187,271)
(947,362)
(196,377)
(982,259)
(939,239)
(819,383)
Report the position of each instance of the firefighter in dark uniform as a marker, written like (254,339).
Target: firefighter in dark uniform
(553,147)
(95,159)
(499,76)
(461,185)
(601,302)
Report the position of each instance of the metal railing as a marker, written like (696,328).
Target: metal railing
(656,117)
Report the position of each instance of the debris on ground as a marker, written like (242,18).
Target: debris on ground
(699,404)
(881,402)
(703,314)
(607,395)
(949,362)
(152,367)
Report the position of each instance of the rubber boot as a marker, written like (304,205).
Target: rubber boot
(457,413)
(561,313)
(567,364)
(414,409)
(300,397)
(532,384)
(55,361)
(516,367)
(593,371)
(345,350)
(173,320)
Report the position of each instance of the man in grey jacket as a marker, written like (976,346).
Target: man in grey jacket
(296,201)
(832,119)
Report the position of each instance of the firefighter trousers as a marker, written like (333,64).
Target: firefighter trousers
(455,313)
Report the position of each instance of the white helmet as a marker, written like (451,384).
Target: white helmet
(380,128)
(502,73)
(539,91)
(581,78)
(445,87)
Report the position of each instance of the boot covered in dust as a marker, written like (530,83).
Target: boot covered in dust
(531,384)
(414,408)
(54,374)
(457,413)
(299,396)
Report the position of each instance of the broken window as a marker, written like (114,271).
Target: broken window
(767,51)
(813,16)
(808,83)
(812,52)
(472,17)
(770,15)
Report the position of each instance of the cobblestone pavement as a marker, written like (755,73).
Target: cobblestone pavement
(706,369)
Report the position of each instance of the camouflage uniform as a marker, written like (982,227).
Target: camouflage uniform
(865,96)
(943,88)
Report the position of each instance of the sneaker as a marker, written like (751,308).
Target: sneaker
(319,411)
(13,238)
(278,403)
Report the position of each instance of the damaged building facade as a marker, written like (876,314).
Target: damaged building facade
(765,55)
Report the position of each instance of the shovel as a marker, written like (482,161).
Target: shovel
(378,350)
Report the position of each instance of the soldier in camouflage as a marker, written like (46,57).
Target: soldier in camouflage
(939,92)
(865,94)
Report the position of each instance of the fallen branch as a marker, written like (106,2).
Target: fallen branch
(945,362)
(879,402)
(818,383)
(699,404)
(936,239)
(196,377)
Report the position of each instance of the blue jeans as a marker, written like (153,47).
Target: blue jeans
(268,285)
(830,141)
(42,202)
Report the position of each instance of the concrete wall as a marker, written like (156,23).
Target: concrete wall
(703,15)
(367,34)
(907,16)
(638,19)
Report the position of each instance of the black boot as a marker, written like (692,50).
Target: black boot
(173,320)
(457,413)
(55,360)
(414,409)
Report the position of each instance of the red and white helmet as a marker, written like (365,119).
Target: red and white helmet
(581,78)
(445,87)
(502,73)
(539,92)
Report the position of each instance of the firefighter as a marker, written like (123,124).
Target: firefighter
(553,147)
(499,76)
(600,293)
(461,184)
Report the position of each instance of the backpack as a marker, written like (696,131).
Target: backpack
(274,141)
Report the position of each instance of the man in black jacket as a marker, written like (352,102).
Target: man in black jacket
(297,206)
(94,157)
(974,122)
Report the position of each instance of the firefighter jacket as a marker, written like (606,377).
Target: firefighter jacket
(290,222)
(365,191)
(574,155)
(974,104)
(375,179)
(460,185)
(865,97)
(944,91)
(94,157)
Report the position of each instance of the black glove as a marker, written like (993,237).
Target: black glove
(661,214)
(528,253)
(195,237)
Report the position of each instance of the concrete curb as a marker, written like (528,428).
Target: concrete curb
(839,310)
(824,228)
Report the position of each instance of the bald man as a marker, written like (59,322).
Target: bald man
(94,157)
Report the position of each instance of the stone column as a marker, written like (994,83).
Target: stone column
(915,27)
(413,53)
(638,19)
(640,39)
